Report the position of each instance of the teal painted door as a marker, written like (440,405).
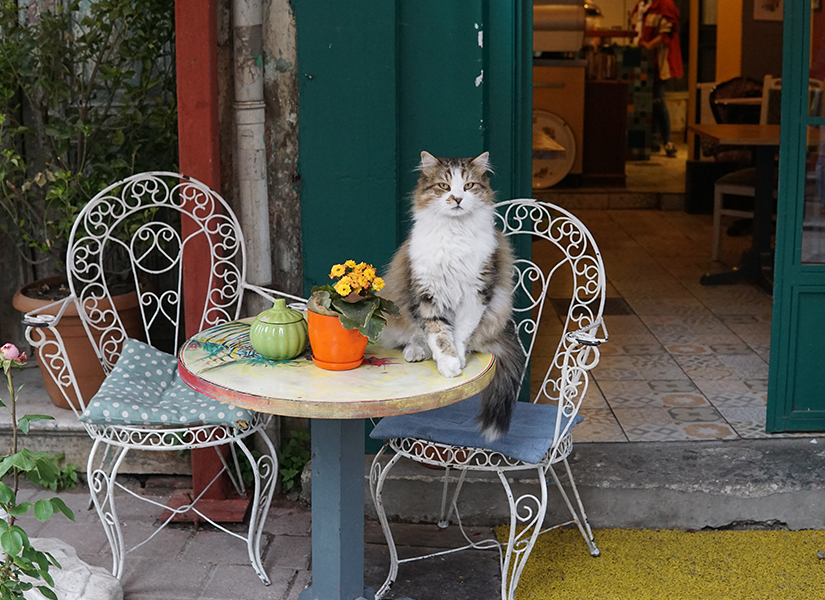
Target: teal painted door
(796,392)
(381,81)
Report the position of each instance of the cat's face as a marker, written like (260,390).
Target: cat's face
(453,187)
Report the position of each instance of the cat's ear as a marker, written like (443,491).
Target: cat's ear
(428,161)
(482,161)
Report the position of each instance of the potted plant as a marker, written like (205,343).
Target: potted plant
(344,316)
(87,97)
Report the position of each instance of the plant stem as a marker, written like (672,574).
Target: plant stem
(13,409)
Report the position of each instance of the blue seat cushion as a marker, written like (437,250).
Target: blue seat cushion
(529,438)
(144,389)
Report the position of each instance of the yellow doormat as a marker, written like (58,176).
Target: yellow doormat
(678,565)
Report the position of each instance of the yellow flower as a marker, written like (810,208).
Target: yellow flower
(369,273)
(377,284)
(343,287)
(350,264)
(337,271)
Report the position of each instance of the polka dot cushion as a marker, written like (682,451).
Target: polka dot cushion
(144,388)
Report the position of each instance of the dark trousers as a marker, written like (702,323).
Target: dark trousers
(661,118)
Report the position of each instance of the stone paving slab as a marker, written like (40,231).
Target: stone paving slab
(183,563)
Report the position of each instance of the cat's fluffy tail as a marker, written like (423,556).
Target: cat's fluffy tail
(499,398)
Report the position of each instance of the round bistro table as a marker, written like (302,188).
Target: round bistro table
(221,363)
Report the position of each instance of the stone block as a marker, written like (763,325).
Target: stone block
(76,580)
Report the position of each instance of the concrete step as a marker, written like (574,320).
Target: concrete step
(681,485)
(66,435)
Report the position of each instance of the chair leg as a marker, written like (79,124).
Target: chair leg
(377,478)
(447,510)
(265,471)
(717,223)
(580,518)
(528,511)
(102,491)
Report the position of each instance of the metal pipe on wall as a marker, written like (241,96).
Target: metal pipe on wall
(250,157)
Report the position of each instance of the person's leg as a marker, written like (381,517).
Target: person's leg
(661,117)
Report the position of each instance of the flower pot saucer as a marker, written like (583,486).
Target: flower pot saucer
(331,366)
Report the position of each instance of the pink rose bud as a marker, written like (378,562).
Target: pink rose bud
(9,351)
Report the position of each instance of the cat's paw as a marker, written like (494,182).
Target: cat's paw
(416,353)
(449,366)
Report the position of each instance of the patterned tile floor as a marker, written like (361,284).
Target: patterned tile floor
(684,361)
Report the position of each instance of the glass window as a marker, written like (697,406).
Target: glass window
(813,214)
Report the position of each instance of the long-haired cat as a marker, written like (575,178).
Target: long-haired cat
(452,281)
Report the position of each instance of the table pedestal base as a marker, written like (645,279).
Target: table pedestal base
(337,511)
(760,254)
(751,268)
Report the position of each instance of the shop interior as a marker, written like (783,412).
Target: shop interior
(592,94)
(685,361)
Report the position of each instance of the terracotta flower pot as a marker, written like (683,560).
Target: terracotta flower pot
(86,366)
(333,347)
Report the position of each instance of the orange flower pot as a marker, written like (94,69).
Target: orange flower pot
(333,347)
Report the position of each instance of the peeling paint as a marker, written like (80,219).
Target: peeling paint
(480,78)
(481,39)
(476,25)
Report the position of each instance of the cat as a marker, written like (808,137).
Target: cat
(452,281)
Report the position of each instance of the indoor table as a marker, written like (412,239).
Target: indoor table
(221,363)
(764,139)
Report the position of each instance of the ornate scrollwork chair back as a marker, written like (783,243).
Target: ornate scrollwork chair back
(111,229)
(561,289)
(130,236)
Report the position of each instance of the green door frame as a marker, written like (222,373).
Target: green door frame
(796,398)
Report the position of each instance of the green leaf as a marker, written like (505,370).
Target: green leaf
(373,329)
(47,591)
(357,312)
(44,574)
(41,559)
(21,461)
(23,535)
(43,510)
(52,559)
(6,494)
(58,504)
(24,421)
(21,509)
(47,467)
(389,307)
(11,543)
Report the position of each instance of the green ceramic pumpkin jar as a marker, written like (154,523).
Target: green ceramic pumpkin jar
(279,333)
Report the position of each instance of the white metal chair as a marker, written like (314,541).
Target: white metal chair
(114,223)
(541,428)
